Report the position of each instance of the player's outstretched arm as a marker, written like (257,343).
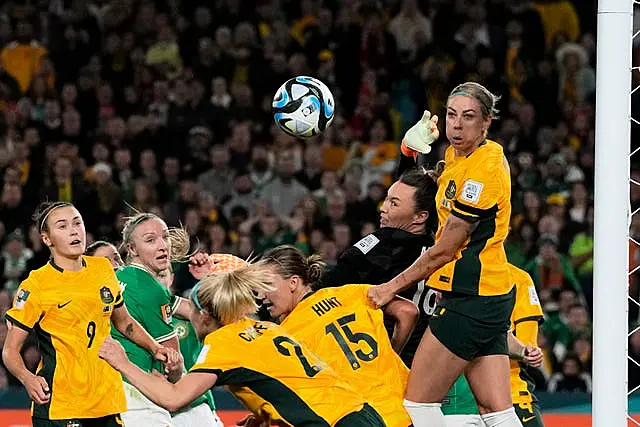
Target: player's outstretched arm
(130,328)
(36,386)
(405,315)
(170,396)
(455,233)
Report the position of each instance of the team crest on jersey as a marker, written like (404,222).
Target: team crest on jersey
(73,424)
(182,331)
(21,298)
(105,295)
(450,192)
(166,313)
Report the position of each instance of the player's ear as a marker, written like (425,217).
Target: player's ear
(46,240)
(293,283)
(131,249)
(420,217)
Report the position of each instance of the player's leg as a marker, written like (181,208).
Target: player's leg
(438,363)
(366,417)
(200,415)
(529,414)
(142,411)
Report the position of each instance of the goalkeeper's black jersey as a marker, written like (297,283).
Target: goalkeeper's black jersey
(378,258)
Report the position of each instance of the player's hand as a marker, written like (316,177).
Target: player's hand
(221,263)
(199,265)
(38,389)
(112,352)
(169,356)
(421,135)
(533,356)
(380,295)
(252,421)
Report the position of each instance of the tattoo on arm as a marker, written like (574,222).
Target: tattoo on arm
(129,330)
(455,224)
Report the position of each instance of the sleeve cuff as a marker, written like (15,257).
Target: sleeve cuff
(538,319)
(471,211)
(166,337)
(18,323)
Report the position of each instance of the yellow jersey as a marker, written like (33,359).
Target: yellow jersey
(476,188)
(527,314)
(70,313)
(341,327)
(275,376)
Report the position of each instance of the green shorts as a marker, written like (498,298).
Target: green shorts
(460,399)
(365,417)
(529,414)
(472,326)
(108,421)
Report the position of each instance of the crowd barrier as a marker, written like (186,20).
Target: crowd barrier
(559,409)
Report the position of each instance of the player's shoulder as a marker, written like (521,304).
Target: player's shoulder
(491,157)
(98,264)
(521,278)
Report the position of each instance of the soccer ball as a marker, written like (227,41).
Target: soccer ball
(303,107)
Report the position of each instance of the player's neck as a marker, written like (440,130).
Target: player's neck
(68,264)
(300,293)
(142,266)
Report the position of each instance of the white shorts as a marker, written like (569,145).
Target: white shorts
(200,416)
(141,412)
(464,421)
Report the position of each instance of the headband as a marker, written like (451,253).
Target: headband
(461,92)
(48,211)
(194,296)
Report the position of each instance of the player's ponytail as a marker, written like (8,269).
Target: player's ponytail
(230,296)
(290,261)
(180,245)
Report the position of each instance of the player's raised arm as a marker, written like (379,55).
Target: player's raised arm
(405,315)
(36,386)
(170,396)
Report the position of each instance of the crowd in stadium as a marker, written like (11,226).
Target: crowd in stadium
(164,106)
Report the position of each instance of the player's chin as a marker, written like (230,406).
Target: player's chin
(162,263)
(75,250)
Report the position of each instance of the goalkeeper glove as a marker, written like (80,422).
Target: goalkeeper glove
(419,138)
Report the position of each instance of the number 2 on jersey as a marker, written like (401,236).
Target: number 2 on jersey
(354,338)
(91,332)
(310,370)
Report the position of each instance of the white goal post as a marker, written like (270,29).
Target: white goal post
(612,212)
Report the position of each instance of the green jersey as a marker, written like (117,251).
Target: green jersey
(460,399)
(190,347)
(150,304)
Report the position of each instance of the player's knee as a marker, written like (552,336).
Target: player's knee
(424,414)
(506,418)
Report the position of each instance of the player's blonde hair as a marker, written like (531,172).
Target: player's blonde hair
(230,296)
(290,261)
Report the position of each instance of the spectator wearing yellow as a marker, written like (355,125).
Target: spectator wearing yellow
(21,58)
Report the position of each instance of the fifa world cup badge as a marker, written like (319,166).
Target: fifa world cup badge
(105,295)
(21,298)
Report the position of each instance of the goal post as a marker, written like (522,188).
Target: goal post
(612,213)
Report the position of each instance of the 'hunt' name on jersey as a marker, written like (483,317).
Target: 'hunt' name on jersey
(326,305)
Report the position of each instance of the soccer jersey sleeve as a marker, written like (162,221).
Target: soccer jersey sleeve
(150,304)
(27,309)
(481,190)
(527,305)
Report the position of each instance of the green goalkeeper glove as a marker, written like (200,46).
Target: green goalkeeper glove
(419,138)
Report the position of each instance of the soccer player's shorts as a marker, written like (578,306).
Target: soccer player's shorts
(460,400)
(108,421)
(529,414)
(200,415)
(472,326)
(463,421)
(142,411)
(365,417)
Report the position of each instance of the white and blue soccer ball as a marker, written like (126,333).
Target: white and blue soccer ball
(303,107)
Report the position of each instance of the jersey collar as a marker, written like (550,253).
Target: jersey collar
(60,269)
